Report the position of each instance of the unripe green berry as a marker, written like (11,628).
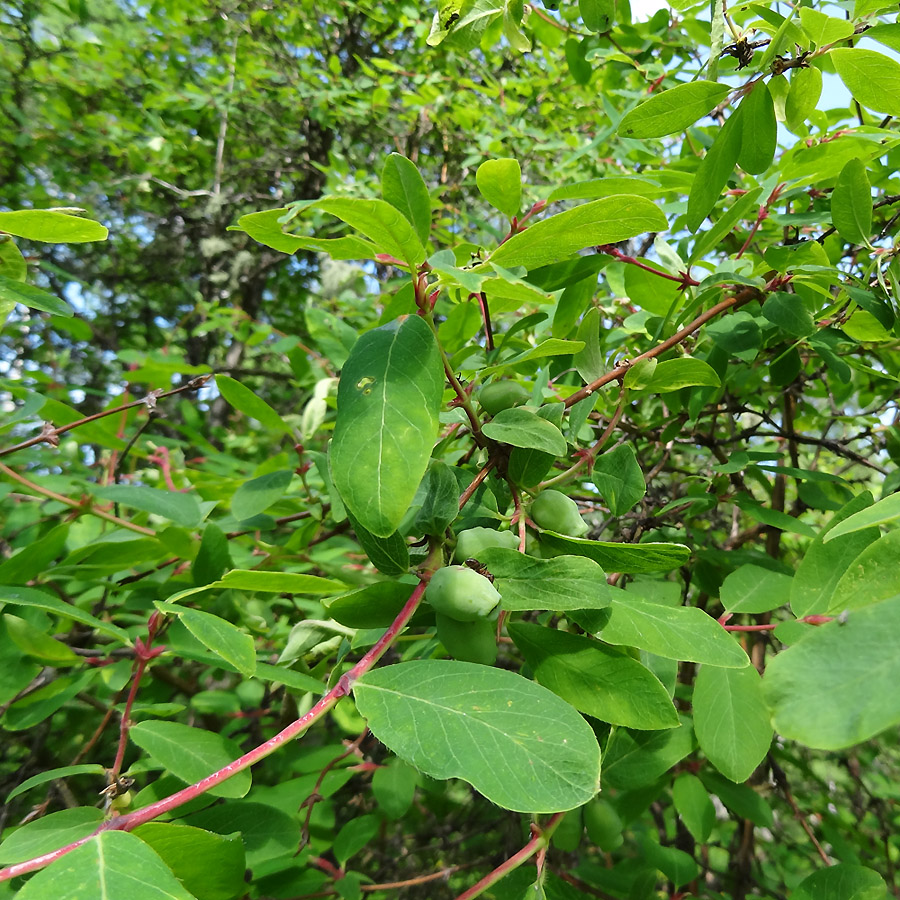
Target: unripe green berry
(604,827)
(468,641)
(472,541)
(500,395)
(554,511)
(461,593)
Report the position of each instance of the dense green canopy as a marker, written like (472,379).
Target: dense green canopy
(302,303)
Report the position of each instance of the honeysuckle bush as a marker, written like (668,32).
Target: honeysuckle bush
(547,548)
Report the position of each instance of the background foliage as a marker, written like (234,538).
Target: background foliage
(241,430)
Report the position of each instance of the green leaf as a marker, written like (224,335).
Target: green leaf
(34,642)
(389,397)
(823,29)
(806,88)
(674,374)
(675,632)
(500,183)
(637,760)
(23,596)
(394,787)
(566,582)
(528,466)
(213,557)
(49,833)
(209,865)
(523,427)
(672,110)
(53,775)
(13,291)
(381,223)
(603,221)
(618,476)
(267,582)
(551,347)
(724,225)
(694,806)
(837,686)
(373,606)
(752,589)
(741,799)
(267,831)
(12,263)
(677,865)
(390,555)
(822,567)
(851,202)
(517,743)
(884,512)
(596,679)
(874,575)
(182,509)
(788,313)
(402,186)
(244,400)
(731,719)
(615,557)
(266,228)
(597,15)
(191,754)
(872,78)
(258,494)
(354,836)
(589,360)
(113,864)
(35,558)
(714,171)
(842,881)
(223,638)
(51,226)
(758,131)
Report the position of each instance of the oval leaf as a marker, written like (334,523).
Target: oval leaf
(114,864)
(615,557)
(223,638)
(402,186)
(603,221)
(731,719)
(191,754)
(244,400)
(758,132)
(500,183)
(672,110)
(389,397)
(13,291)
(872,78)
(596,679)
(851,203)
(517,743)
(566,582)
(51,226)
(838,686)
(675,632)
(521,427)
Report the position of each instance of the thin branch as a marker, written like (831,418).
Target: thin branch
(294,730)
(51,435)
(75,504)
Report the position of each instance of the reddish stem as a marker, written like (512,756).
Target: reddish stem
(295,729)
(683,278)
(539,839)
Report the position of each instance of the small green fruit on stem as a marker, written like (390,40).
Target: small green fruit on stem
(461,593)
(474,642)
(500,395)
(472,541)
(555,511)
